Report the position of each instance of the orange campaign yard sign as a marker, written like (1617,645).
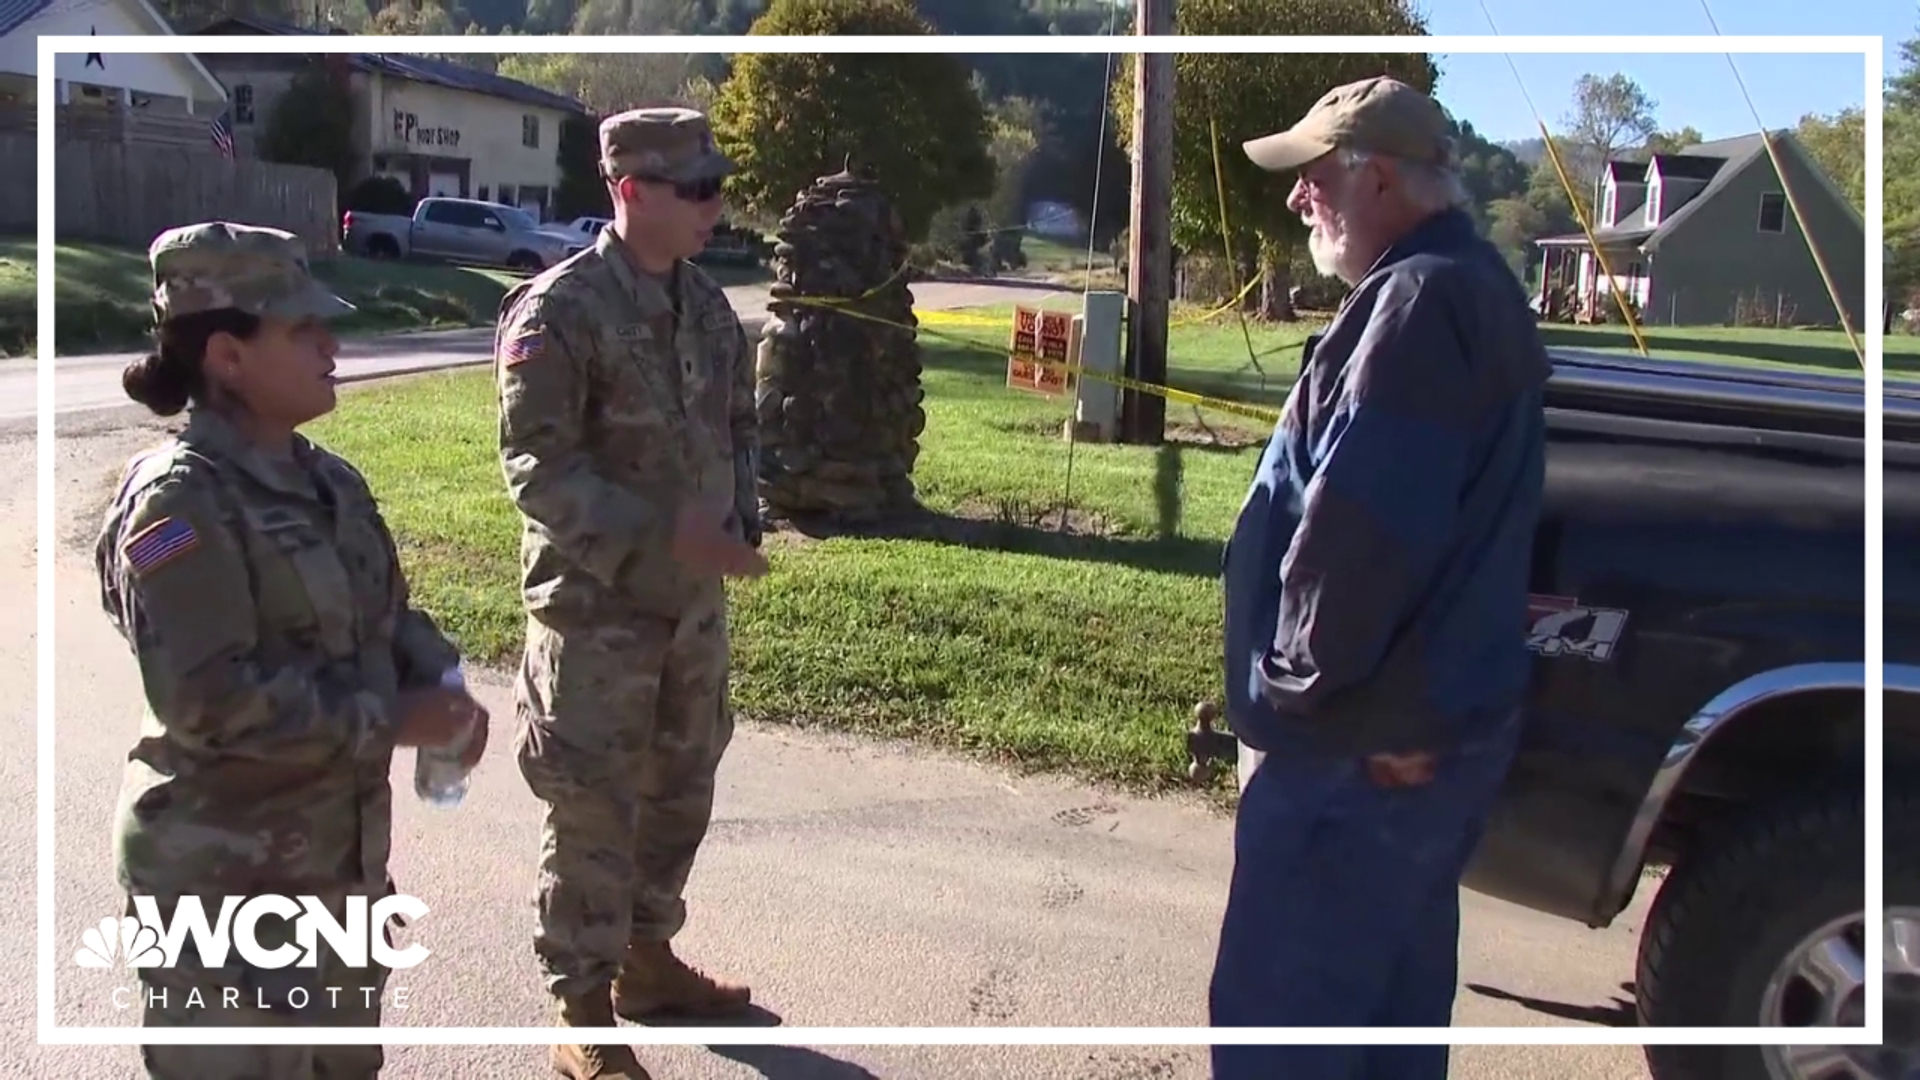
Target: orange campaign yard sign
(1052,336)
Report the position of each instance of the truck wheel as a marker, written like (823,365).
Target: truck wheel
(1763,927)
(526,260)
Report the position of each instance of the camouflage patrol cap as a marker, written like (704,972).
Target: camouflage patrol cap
(218,264)
(1381,115)
(667,143)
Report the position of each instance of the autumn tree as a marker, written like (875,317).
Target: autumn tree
(1609,115)
(1252,94)
(1900,170)
(413,17)
(1672,142)
(914,118)
(1015,129)
(604,82)
(1838,143)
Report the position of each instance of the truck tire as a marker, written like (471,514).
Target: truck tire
(1761,884)
(527,261)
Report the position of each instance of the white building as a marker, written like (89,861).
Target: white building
(158,85)
(438,127)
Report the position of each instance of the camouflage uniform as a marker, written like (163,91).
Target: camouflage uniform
(622,396)
(269,619)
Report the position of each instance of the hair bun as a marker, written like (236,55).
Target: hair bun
(153,382)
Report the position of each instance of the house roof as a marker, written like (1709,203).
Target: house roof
(1732,155)
(15,13)
(419,69)
(1610,239)
(1687,166)
(1717,162)
(1627,172)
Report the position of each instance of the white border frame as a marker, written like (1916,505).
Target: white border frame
(50,1032)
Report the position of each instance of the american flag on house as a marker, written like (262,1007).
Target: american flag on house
(221,131)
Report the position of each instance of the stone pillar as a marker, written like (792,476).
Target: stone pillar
(839,364)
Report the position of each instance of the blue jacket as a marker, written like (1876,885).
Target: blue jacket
(1376,580)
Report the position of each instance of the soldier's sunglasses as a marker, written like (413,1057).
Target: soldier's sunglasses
(694,191)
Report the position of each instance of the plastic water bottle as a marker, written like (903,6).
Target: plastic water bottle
(439,777)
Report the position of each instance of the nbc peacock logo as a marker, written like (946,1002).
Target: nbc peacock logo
(125,941)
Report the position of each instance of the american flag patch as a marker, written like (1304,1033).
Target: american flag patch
(159,543)
(526,346)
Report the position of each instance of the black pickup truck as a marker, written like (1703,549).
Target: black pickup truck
(1699,707)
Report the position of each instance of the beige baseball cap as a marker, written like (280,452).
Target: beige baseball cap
(218,264)
(1380,115)
(667,143)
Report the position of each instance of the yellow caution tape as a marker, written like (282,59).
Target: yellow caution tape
(1262,413)
(954,318)
(1183,397)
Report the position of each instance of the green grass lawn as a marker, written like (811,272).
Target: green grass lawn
(1084,653)
(996,634)
(17,302)
(1219,358)
(101,295)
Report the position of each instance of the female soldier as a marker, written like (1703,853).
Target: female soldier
(261,594)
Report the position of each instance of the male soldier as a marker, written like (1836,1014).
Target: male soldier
(628,440)
(1376,584)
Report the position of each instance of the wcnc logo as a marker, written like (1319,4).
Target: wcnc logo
(151,941)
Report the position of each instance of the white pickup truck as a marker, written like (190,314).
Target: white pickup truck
(461,231)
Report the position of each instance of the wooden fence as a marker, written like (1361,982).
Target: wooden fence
(124,180)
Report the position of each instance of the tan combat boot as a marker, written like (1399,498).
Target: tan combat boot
(594,1062)
(654,982)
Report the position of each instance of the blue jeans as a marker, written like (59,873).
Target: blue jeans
(1344,910)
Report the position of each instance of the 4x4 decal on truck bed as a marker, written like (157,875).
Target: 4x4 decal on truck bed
(1562,626)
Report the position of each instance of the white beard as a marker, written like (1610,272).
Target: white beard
(1328,250)
(1329,246)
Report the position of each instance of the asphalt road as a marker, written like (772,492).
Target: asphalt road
(87,383)
(854,883)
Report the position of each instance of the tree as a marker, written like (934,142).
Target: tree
(1512,226)
(1252,94)
(581,192)
(1490,172)
(413,17)
(312,124)
(1018,128)
(1549,195)
(1838,144)
(1672,142)
(1903,89)
(789,118)
(1900,171)
(604,82)
(1608,115)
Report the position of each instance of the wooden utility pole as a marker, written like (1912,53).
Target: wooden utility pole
(1149,240)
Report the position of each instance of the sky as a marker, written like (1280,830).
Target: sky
(1698,90)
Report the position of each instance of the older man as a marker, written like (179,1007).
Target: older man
(1376,589)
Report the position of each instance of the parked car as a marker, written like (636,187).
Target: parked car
(588,227)
(462,231)
(1699,707)
(727,245)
